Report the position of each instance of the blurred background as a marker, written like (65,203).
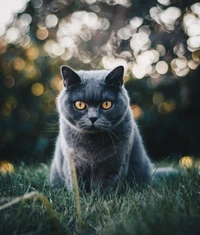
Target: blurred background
(158,42)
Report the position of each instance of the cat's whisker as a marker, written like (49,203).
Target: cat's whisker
(112,140)
(106,123)
(112,132)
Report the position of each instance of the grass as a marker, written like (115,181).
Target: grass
(165,207)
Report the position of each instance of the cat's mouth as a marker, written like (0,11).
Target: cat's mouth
(92,128)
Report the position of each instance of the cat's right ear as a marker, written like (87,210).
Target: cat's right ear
(115,77)
(70,77)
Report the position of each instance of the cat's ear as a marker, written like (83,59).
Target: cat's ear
(70,77)
(115,77)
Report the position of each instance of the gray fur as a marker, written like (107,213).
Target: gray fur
(108,152)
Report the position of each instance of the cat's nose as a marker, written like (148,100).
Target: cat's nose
(93,119)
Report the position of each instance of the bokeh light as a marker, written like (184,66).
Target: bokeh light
(137,111)
(56,83)
(192,64)
(51,21)
(25,20)
(158,97)
(31,71)
(6,167)
(12,35)
(162,67)
(191,23)
(18,64)
(37,89)
(158,44)
(109,62)
(82,26)
(166,107)
(165,2)
(3,46)
(8,11)
(186,162)
(42,33)
(6,109)
(32,53)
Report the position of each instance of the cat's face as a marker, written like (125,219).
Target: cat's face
(93,101)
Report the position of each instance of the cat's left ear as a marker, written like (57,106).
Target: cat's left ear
(115,77)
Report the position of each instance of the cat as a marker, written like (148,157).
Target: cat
(97,131)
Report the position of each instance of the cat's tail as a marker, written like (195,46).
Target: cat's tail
(164,173)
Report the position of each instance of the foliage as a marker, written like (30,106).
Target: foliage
(162,208)
(156,41)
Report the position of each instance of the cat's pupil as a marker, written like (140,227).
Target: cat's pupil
(80,105)
(106,104)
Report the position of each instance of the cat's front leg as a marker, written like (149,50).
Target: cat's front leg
(111,181)
(55,179)
(68,167)
(107,181)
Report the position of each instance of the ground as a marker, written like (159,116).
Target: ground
(165,207)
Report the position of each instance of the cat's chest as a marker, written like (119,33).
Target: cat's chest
(96,142)
(103,157)
(97,148)
(95,159)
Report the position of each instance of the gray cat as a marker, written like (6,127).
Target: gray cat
(98,131)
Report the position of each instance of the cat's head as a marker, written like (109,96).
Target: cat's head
(93,101)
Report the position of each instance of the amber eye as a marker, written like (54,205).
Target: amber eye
(80,105)
(106,104)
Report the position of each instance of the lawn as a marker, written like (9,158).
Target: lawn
(28,205)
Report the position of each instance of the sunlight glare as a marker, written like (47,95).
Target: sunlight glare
(7,11)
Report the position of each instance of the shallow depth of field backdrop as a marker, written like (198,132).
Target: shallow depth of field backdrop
(158,42)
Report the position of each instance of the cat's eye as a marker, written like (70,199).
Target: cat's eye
(106,104)
(80,105)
